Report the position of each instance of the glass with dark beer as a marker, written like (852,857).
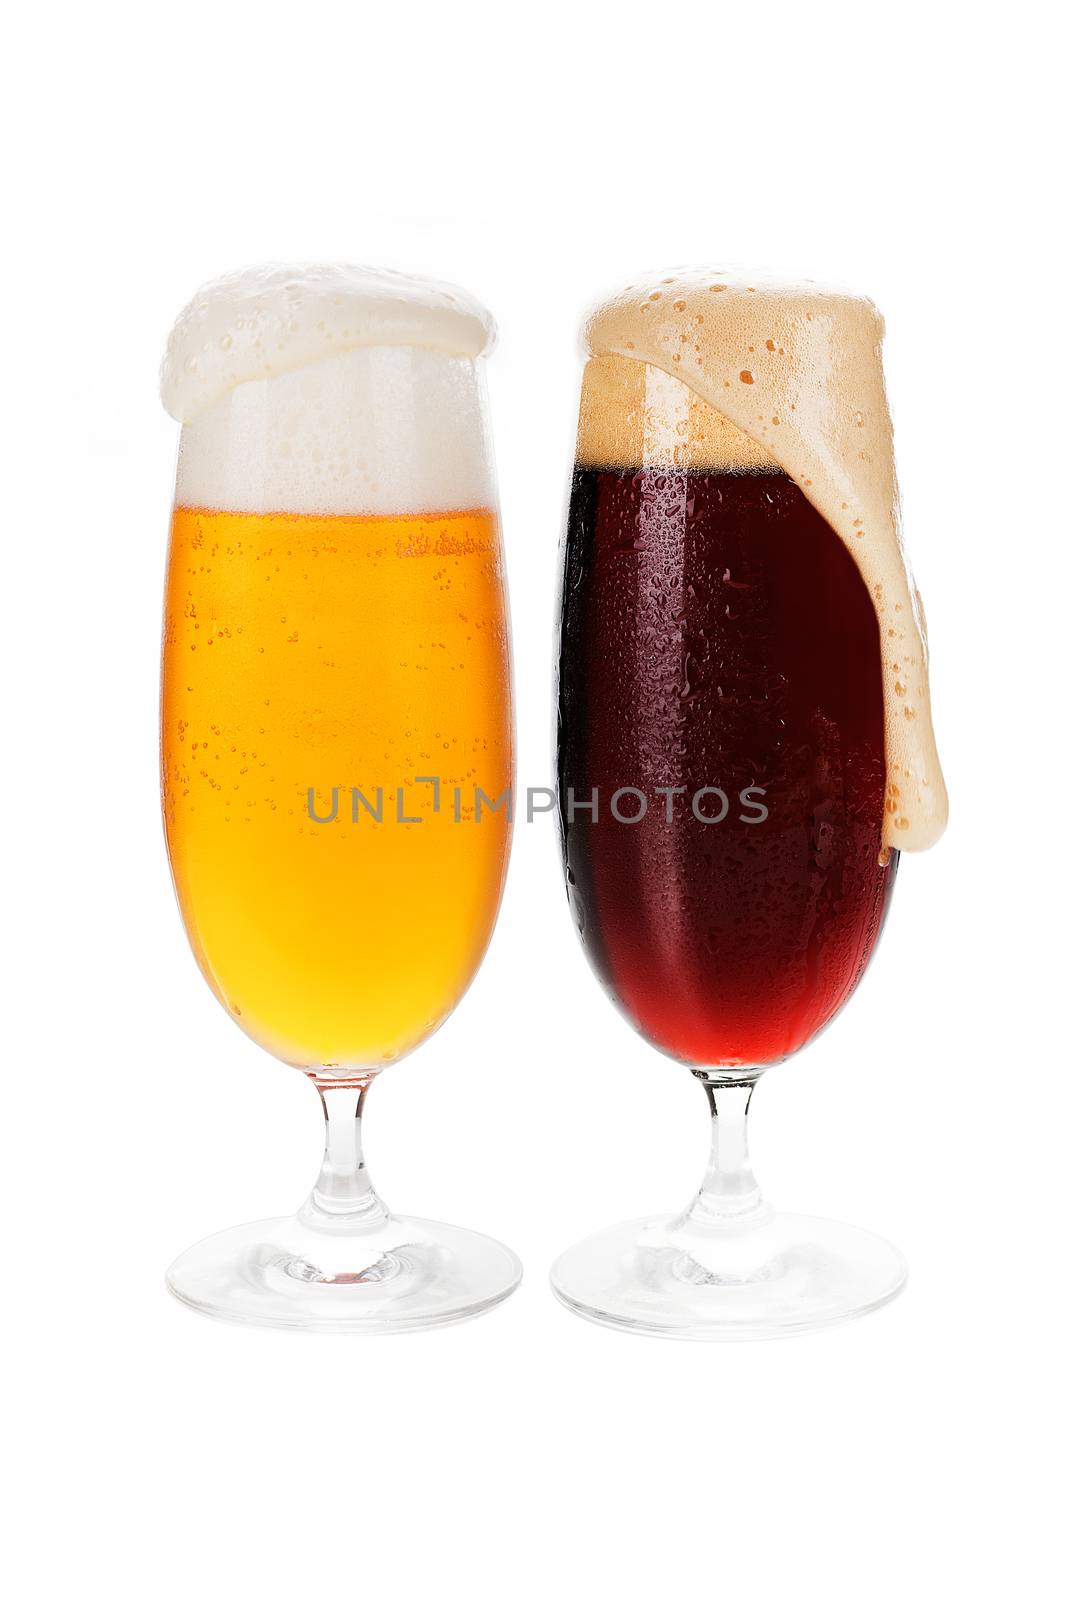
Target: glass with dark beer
(744,748)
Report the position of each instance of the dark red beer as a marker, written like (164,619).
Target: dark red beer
(716,635)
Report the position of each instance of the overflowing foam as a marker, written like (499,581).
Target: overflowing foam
(328,390)
(266,321)
(733,372)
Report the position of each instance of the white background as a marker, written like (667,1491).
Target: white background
(540,155)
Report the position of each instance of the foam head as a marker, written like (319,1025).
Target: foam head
(330,389)
(734,371)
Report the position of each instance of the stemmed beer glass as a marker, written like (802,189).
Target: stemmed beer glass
(744,743)
(336,740)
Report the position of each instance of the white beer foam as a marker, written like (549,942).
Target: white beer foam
(798,369)
(266,321)
(373,432)
(330,390)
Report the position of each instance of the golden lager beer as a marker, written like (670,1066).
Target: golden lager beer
(336,739)
(330,685)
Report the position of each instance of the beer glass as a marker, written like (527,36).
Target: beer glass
(336,740)
(744,747)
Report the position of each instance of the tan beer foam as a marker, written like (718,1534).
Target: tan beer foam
(795,369)
(266,321)
(633,414)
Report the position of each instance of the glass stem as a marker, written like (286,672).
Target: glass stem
(729,1189)
(343,1195)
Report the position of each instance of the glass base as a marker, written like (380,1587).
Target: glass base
(401,1274)
(762,1276)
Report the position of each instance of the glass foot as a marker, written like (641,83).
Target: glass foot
(762,1276)
(400,1274)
